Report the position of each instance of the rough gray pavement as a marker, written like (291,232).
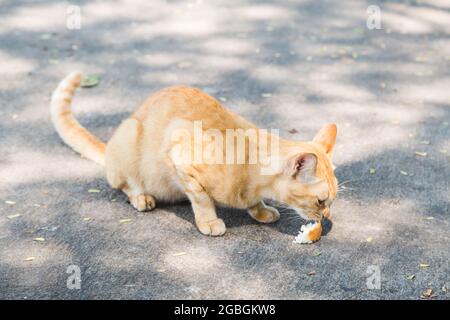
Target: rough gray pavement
(281,64)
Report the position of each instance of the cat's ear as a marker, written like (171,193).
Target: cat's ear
(303,166)
(326,137)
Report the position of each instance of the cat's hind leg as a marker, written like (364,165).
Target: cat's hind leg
(263,213)
(121,158)
(138,199)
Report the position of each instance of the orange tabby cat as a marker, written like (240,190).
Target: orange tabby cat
(141,159)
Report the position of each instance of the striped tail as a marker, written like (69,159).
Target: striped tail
(68,128)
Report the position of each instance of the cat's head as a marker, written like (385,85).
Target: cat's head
(309,184)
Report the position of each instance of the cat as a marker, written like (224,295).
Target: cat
(140,159)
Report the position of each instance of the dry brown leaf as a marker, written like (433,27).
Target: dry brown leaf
(13,216)
(94,190)
(124,220)
(179,254)
(427,293)
(424,265)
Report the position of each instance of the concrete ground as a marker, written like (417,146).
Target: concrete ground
(281,64)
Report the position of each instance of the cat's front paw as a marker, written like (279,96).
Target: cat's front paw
(215,227)
(143,202)
(265,214)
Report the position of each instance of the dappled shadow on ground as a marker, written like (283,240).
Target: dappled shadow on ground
(298,64)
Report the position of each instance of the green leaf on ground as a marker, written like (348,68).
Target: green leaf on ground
(90,81)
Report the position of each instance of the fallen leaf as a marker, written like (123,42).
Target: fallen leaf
(410,277)
(427,293)
(369,239)
(293,130)
(90,81)
(179,254)
(29,259)
(372,170)
(266,95)
(93,190)
(13,216)
(39,239)
(113,200)
(316,253)
(444,288)
(429,218)
(421,154)
(87,219)
(312,273)
(10,202)
(124,220)
(404,172)
(424,265)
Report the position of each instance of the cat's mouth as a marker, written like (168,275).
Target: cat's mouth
(309,215)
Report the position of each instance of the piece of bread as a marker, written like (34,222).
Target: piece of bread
(309,233)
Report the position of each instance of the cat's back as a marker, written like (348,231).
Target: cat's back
(191,104)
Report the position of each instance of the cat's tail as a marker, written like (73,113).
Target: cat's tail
(68,128)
